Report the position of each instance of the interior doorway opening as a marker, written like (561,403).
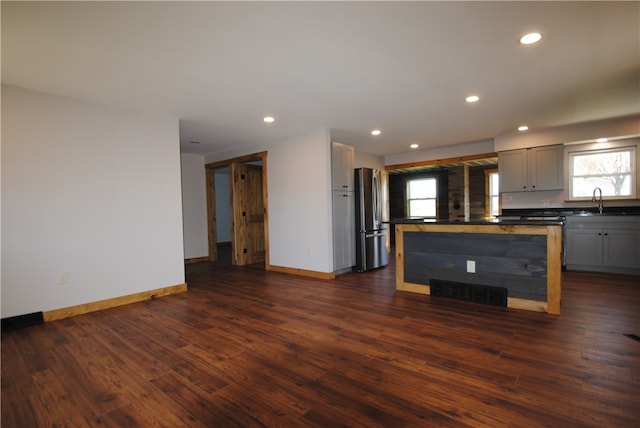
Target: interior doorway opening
(245,215)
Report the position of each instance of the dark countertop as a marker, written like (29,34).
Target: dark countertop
(509,221)
(550,212)
(531,217)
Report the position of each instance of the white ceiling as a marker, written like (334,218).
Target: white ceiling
(402,67)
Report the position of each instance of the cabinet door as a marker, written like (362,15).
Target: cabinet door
(512,169)
(525,170)
(341,167)
(621,248)
(343,230)
(584,247)
(546,168)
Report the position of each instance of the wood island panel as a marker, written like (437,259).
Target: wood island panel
(525,259)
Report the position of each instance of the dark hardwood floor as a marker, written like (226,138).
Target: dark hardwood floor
(246,347)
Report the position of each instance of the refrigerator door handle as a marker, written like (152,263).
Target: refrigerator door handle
(376,203)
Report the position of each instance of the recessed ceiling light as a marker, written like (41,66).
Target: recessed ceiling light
(414,146)
(523,128)
(269,119)
(602,140)
(376,132)
(530,38)
(472,98)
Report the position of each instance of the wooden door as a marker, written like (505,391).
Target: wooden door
(248,214)
(254,218)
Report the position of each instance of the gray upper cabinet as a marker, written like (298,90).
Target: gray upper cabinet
(342,167)
(527,170)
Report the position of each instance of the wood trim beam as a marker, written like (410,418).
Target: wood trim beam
(415,288)
(241,159)
(302,272)
(554,269)
(265,207)
(442,162)
(238,232)
(71,311)
(212,227)
(194,260)
(527,305)
(399,257)
(512,229)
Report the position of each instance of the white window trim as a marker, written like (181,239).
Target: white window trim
(629,143)
(407,200)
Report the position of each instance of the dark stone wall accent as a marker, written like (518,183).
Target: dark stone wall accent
(397,191)
(397,194)
(458,193)
(515,262)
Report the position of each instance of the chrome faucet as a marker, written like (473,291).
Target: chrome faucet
(593,199)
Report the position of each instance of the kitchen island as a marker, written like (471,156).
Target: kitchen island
(516,264)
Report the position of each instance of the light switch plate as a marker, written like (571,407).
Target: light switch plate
(471,266)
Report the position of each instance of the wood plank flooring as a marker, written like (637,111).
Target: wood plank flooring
(249,348)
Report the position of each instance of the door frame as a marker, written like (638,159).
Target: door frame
(211,203)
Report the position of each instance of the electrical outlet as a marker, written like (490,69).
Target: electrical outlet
(471,266)
(63,277)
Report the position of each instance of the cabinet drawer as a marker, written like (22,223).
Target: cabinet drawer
(602,222)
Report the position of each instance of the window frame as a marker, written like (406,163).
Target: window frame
(407,199)
(593,148)
(488,197)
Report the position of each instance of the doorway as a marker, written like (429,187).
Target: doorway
(248,209)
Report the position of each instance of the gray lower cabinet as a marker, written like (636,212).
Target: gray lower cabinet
(343,231)
(603,243)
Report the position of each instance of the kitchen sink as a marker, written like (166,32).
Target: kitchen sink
(595,213)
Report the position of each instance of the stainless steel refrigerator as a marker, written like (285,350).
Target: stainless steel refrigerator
(371,233)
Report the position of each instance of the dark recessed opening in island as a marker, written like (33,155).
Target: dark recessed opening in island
(496,296)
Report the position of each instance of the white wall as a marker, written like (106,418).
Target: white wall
(366,160)
(89,190)
(299,201)
(578,132)
(194,206)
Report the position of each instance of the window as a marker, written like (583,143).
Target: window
(612,170)
(422,196)
(492,192)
